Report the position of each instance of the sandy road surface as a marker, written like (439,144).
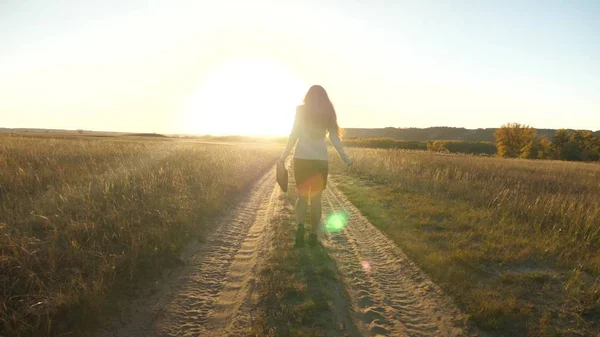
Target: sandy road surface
(213,294)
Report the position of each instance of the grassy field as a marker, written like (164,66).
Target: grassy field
(515,242)
(82,218)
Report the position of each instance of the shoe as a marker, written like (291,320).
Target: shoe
(312,240)
(300,236)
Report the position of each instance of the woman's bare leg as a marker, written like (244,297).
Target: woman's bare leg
(315,211)
(301,203)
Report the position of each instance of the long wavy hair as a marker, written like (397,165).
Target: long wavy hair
(318,112)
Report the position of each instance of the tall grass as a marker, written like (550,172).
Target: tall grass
(487,228)
(554,201)
(82,217)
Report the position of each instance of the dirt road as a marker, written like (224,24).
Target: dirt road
(213,294)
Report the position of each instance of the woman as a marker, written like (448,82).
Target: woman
(314,120)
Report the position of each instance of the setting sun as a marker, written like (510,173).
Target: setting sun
(244,97)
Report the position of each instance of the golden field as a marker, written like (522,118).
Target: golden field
(82,218)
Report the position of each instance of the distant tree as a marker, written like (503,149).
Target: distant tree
(538,148)
(559,144)
(591,147)
(588,145)
(437,146)
(575,145)
(543,148)
(515,140)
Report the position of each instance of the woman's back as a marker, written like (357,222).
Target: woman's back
(310,137)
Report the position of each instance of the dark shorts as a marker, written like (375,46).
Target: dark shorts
(311,174)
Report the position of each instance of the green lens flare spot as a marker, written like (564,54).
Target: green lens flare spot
(336,222)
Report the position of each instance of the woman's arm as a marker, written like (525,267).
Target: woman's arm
(293,138)
(337,143)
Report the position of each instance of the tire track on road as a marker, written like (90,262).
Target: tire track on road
(391,296)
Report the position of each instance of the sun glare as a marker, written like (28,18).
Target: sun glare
(245,98)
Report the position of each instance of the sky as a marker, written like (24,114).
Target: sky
(241,67)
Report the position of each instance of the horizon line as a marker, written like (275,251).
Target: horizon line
(270,135)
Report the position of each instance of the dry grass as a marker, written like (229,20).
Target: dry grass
(81,218)
(516,242)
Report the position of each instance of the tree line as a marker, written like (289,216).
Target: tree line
(448,146)
(514,140)
(436,133)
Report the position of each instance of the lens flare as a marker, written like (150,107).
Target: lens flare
(336,221)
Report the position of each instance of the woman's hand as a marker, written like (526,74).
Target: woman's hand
(348,161)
